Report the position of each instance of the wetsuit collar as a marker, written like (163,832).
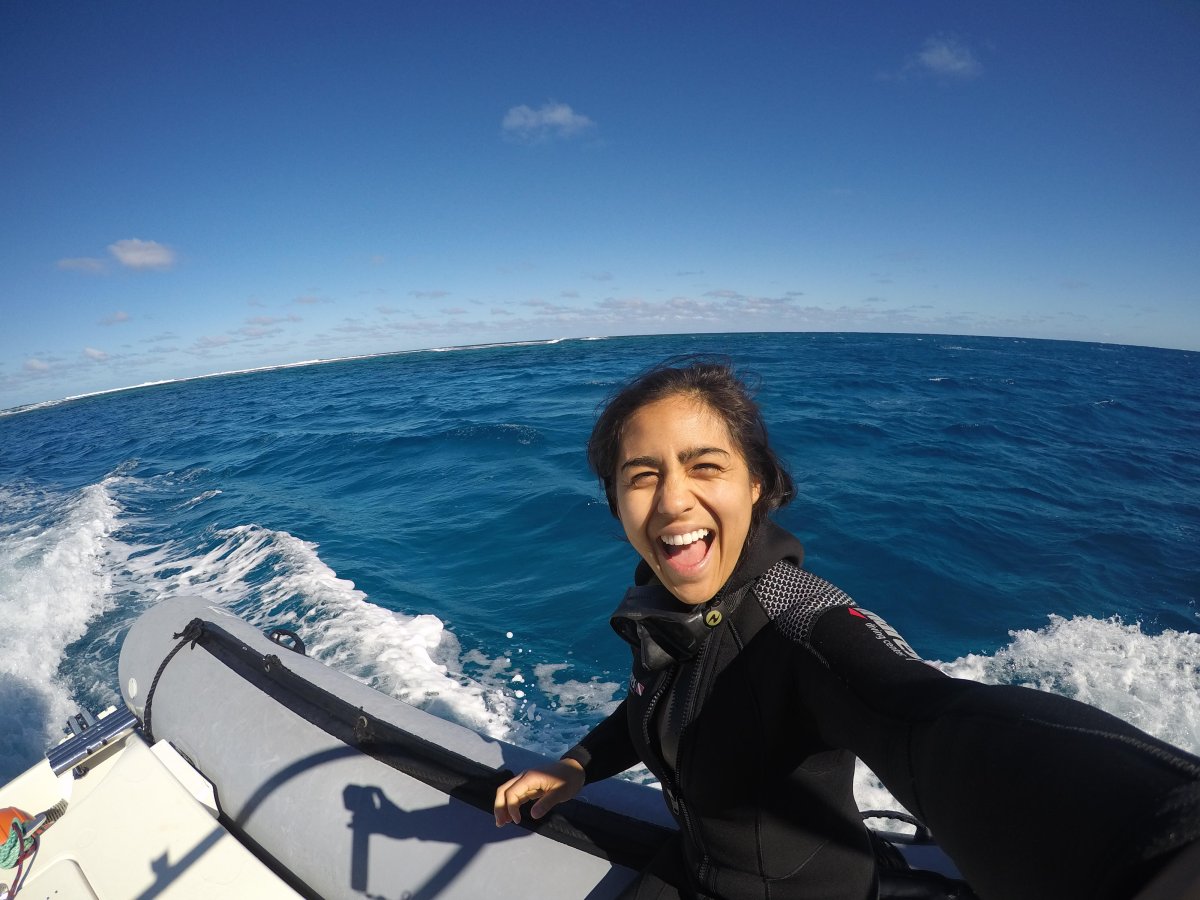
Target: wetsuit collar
(664,630)
(767,545)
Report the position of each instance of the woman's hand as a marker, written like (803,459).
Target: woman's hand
(550,785)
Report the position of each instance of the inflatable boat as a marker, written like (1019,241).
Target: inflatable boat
(242,768)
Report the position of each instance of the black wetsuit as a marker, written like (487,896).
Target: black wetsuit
(753,741)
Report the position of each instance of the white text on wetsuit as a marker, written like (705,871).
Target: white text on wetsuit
(886,633)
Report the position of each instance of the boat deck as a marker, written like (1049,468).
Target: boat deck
(141,823)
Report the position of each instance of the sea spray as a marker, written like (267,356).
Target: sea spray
(55,578)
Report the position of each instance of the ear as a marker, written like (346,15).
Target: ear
(755,490)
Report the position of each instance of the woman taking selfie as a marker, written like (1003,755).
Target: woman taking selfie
(756,683)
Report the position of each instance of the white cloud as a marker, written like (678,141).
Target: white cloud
(545,308)
(116,318)
(624,306)
(273,320)
(947,56)
(253,332)
(36,365)
(82,264)
(93,353)
(138,254)
(553,120)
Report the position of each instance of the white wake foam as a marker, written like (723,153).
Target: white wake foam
(55,577)
(274,578)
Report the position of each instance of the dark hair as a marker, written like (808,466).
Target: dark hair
(713,382)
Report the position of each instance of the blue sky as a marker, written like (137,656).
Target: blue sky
(188,188)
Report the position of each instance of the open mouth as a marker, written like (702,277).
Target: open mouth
(686,551)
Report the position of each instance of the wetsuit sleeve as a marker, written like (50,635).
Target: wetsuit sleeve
(607,749)
(1033,795)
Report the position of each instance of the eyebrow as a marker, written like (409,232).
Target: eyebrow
(685,456)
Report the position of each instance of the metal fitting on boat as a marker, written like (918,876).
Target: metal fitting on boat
(91,735)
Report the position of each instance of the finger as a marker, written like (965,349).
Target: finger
(510,798)
(544,804)
(500,805)
(516,798)
(502,817)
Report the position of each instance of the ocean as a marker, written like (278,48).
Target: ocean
(1022,511)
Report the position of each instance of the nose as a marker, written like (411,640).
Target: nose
(674,496)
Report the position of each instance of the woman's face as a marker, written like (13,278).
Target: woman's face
(684,495)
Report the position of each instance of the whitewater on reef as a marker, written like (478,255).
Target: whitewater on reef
(1022,511)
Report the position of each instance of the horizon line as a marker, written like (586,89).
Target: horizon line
(45,404)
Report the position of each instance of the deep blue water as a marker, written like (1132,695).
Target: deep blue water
(1023,511)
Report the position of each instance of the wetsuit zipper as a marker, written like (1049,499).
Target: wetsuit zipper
(699,684)
(664,684)
(672,777)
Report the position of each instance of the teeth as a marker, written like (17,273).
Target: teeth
(679,540)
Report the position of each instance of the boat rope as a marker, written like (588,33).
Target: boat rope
(22,840)
(192,632)
(14,846)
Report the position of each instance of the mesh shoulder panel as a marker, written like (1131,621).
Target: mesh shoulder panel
(793,598)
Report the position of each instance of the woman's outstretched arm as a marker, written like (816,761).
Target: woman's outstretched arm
(1033,795)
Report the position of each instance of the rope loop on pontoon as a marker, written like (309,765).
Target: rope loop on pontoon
(192,632)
